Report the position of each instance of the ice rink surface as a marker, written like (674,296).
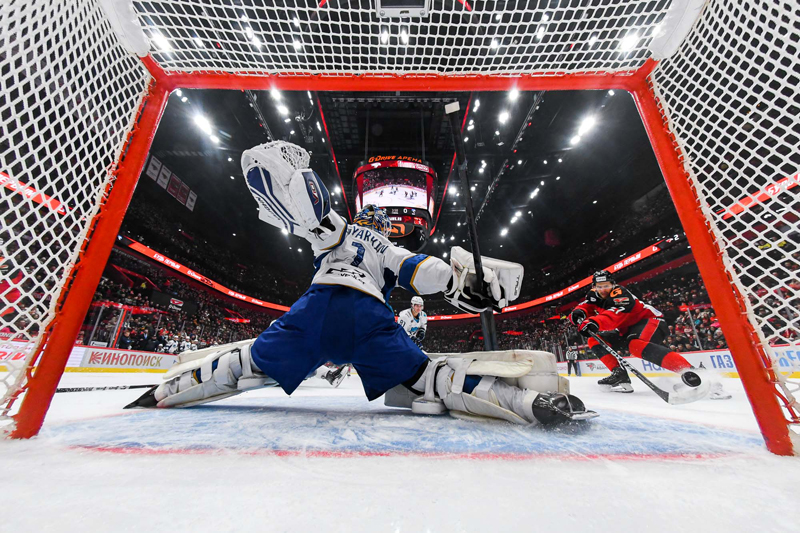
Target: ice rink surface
(327,460)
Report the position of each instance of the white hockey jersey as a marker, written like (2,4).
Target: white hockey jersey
(412,325)
(361,258)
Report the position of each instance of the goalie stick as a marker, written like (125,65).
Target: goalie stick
(487,316)
(664,395)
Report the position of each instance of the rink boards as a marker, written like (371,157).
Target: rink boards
(719,361)
(100,359)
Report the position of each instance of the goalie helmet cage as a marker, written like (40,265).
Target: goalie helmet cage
(80,109)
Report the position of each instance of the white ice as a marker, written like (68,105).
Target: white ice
(327,460)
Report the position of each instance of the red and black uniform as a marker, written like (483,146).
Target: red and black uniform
(623,321)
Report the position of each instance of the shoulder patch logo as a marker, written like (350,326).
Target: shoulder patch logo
(616,292)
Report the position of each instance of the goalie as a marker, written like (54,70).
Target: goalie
(343,316)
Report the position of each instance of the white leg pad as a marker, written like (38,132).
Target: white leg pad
(233,374)
(516,376)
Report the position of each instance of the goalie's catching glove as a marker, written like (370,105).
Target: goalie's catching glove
(290,195)
(502,281)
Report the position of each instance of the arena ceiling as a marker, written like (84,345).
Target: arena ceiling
(564,165)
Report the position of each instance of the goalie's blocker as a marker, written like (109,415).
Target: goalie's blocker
(502,281)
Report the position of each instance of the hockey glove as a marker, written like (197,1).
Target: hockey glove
(502,280)
(587,327)
(290,195)
(465,293)
(577,316)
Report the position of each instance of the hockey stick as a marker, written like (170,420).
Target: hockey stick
(487,317)
(664,395)
(115,387)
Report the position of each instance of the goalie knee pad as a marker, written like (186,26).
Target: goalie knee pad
(220,374)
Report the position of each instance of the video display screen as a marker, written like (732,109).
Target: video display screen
(395,186)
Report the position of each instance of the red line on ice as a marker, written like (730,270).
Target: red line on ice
(331,454)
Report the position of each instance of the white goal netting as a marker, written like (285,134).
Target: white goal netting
(70,96)
(514,37)
(732,101)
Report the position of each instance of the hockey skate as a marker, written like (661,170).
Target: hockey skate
(618,381)
(552,408)
(336,376)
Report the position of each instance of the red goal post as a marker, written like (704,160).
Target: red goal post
(715,83)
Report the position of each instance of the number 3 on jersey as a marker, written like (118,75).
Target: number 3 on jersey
(359,253)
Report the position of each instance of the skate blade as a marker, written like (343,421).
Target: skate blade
(717,396)
(585,415)
(625,388)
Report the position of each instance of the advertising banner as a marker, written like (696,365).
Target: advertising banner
(100,358)
(34,194)
(719,361)
(174,265)
(174,304)
(93,359)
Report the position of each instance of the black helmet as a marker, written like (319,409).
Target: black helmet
(602,275)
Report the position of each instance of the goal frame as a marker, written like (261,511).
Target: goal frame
(750,357)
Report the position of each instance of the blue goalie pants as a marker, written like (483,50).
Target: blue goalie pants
(340,325)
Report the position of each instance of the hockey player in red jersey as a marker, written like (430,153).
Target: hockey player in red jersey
(624,322)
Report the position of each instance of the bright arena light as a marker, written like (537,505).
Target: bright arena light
(203,123)
(283,110)
(503,117)
(575,140)
(513,94)
(504,232)
(586,125)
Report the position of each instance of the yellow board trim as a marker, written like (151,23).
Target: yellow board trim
(117,370)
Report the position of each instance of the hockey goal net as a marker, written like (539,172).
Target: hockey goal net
(84,83)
